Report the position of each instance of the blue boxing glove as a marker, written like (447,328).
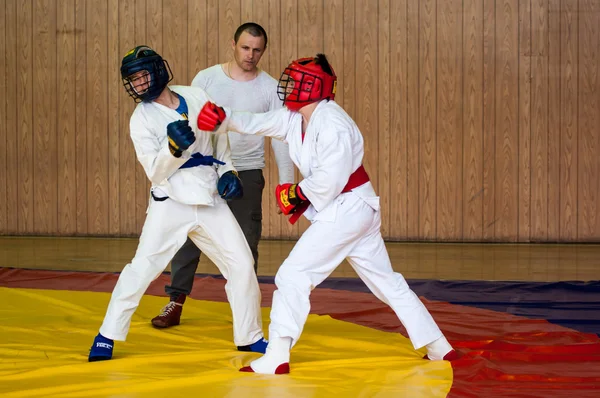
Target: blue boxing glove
(180,136)
(230,186)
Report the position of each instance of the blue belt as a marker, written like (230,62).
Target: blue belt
(200,160)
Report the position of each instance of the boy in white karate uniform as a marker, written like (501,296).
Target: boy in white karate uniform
(192,176)
(338,199)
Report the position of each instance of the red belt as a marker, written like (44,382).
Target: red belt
(358,178)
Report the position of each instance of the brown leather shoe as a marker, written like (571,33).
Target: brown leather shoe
(170,314)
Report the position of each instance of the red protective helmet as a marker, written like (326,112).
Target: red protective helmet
(307,80)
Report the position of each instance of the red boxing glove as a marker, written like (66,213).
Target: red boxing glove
(210,116)
(289,196)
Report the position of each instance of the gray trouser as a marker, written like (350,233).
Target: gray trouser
(248,213)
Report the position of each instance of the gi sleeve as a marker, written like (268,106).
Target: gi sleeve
(276,124)
(155,158)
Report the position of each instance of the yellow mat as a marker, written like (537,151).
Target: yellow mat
(45,337)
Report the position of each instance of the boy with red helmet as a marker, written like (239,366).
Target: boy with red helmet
(339,200)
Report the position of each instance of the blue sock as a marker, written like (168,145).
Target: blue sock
(101,350)
(258,346)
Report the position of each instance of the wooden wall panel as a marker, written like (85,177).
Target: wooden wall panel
(413,217)
(347,76)
(12,127)
(229,19)
(366,68)
(472,120)
(96,115)
(25,141)
(524,120)
(449,126)
(539,119)
(81,118)
(197,32)
(398,123)
(554,117)
(589,120)
(489,121)
(247,13)
(480,118)
(333,40)
(115,89)
(211,36)
(507,122)
(568,119)
(382,103)
(427,119)
(128,164)
(45,167)
(158,17)
(174,27)
(4,53)
(66,128)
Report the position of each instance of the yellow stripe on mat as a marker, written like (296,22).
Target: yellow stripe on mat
(45,336)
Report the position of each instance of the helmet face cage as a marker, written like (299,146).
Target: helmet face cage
(157,75)
(298,88)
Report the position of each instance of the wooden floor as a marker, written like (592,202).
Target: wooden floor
(506,262)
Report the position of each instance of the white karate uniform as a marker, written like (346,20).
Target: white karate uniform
(193,209)
(343,225)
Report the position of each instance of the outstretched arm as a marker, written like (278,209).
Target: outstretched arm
(276,124)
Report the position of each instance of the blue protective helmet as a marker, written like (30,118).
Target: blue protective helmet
(143,58)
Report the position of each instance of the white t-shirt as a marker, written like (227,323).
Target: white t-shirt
(257,96)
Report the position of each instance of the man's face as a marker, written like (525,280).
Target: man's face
(140,81)
(248,50)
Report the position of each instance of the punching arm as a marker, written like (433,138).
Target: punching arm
(154,155)
(276,124)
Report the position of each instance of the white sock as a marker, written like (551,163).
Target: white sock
(278,352)
(437,350)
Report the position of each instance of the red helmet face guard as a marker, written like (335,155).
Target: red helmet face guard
(304,82)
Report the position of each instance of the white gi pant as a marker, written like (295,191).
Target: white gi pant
(355,234)
(218,235)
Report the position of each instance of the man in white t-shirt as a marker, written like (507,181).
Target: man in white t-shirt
(240,85)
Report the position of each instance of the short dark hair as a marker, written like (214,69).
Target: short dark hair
(253,28)
(322,61)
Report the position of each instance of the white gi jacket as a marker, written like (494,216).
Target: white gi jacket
(332,150)
(194,185)
(344,225)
